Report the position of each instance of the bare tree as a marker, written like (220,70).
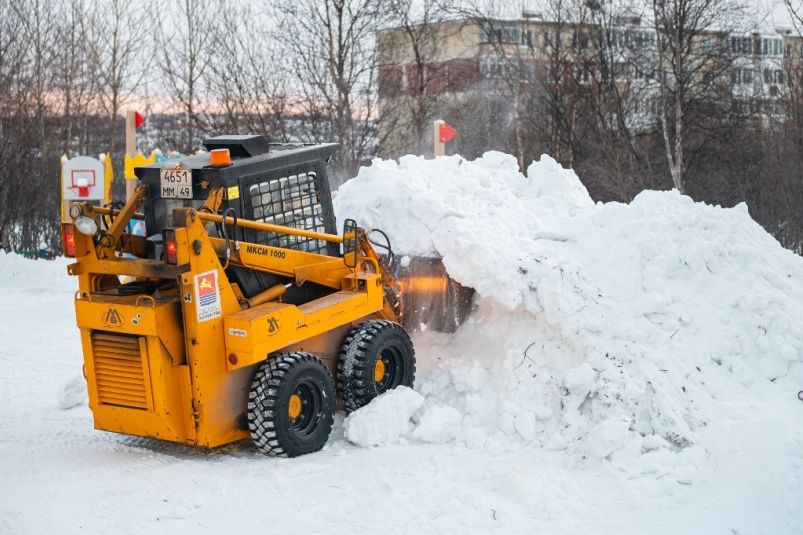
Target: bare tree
(39,28)
(186,45)
(616,126)
(247,80)
(16,126)
(118,55)
(75,80)
(411,76)
(692,46)
(330,44)
(795,8)
(500,39)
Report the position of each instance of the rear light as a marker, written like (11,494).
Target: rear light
(171,247)
(219,157)
(68,240)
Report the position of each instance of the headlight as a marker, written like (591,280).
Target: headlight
(86,225)
(75,211)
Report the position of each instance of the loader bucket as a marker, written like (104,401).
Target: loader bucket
(430,298)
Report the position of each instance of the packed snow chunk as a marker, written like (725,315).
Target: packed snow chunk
(472,437)
(384,419)
(654,442)
(579,382)
(556,443)
(524,423)
(608,436)
(72,393)
(507,423)
(439,424)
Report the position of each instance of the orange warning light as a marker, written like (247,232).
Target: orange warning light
(219,157)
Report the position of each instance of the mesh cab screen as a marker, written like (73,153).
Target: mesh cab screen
(291,201)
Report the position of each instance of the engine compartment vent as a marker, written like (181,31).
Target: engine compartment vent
(120,376)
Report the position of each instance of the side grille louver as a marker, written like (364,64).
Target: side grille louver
(119,373)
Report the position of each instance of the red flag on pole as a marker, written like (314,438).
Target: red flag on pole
(139,119)
(446,133)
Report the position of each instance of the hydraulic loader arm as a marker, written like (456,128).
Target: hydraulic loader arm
(299,265)
(122,218)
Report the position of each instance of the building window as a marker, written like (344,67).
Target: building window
(526,38)
(581,74)
(776,77)
(637,39)
(771,47)
(742,46)
(501,32)
(742,76)
(643,39)
(645,106)
(620,40)
(554,74)
(580,40)
(641,72)
(551,39)
(491,67)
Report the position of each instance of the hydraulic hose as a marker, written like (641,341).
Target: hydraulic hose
(391,265)
(225,234)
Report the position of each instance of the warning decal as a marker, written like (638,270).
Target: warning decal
(208,294)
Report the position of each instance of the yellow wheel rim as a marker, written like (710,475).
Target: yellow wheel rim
(294,408)
(379,370)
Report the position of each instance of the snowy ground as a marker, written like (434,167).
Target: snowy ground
(61,476)
(736,466)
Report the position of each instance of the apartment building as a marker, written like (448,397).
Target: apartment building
(426,72)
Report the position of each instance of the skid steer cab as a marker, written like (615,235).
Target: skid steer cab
(242,312)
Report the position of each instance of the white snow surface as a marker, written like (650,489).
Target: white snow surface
(627,369)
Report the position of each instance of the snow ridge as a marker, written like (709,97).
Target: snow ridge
(606,330)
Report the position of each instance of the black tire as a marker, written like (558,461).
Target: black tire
(270,405)
(357,368)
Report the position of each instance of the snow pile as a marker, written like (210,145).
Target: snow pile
(606,330)
(21,272)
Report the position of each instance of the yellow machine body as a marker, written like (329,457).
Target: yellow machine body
(178,365)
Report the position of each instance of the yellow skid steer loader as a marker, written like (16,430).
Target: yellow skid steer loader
(243,311)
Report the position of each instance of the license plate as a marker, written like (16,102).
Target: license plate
(176,183)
